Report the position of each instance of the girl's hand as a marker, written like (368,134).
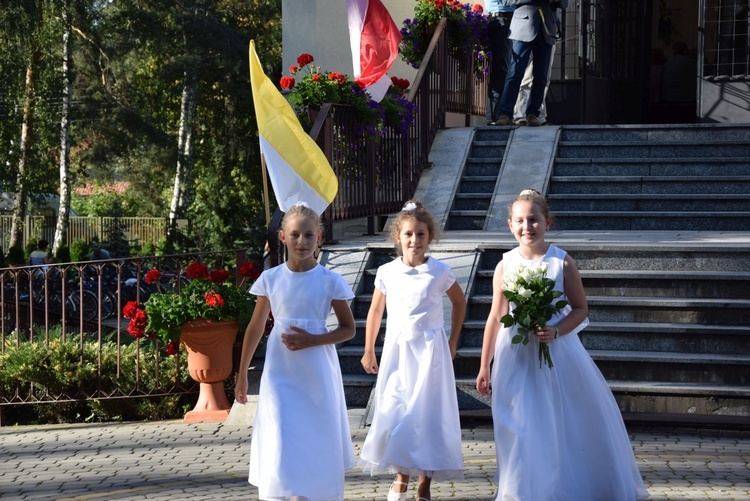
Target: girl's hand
(370,363)
(483,382)
(299,340)
(240,390)
(545,334)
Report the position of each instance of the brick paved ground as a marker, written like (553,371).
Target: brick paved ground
(171,460)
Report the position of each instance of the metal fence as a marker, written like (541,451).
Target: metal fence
(81,303)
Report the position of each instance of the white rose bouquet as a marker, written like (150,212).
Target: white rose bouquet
(531,294)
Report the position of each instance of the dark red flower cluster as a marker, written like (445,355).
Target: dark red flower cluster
(287,83)
(214,299)
(152,277)
(304,59)
(138,319)
(401,83)
(218,276)
(249,270)
(196,270)
(173,348)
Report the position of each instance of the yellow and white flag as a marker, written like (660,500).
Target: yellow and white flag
(298,169)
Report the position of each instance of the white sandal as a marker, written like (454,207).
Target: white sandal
(397,496)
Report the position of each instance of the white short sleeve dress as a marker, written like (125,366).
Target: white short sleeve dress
(301,442)
(415,426)
(559,435)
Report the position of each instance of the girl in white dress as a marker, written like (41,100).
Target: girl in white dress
(415,428)
(559,435)
(301,442)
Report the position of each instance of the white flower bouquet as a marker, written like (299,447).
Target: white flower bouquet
(531,295)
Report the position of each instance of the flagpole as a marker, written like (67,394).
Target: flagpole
(265,189)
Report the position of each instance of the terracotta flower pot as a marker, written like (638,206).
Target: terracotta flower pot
(209,346)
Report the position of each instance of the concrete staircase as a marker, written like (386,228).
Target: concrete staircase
(478,179)
(638,178)
(656,219)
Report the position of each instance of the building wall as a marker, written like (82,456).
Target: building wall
(319,27)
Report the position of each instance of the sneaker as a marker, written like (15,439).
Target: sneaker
(532,120)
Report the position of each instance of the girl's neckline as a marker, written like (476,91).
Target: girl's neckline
(414,267)
(286,265)
(535,258)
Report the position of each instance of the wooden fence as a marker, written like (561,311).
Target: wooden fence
(137,230)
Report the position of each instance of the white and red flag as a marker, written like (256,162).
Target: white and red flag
(374,39)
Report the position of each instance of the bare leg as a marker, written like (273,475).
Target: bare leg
(423,489)
(400,477)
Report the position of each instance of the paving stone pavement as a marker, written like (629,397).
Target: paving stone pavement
(169,460)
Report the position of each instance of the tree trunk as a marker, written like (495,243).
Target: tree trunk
(19,209)
(63,212)
(181,192)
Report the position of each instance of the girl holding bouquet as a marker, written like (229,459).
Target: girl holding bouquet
(415,428)
(559,434)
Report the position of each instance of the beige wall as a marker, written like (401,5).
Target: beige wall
(319,27)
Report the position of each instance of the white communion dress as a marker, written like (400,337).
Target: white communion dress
(415,427)
(301,442)
(559,435)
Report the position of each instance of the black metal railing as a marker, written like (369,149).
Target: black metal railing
(78,306)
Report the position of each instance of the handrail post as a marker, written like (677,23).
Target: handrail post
(370,145)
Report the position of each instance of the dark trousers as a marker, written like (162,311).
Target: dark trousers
(500,48)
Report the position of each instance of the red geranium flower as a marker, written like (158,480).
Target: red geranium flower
(304,59)
(287,83)
(130,309)
(196,270)
(173,348)
(152,276)
(401,83)
(477,8)
(249,270)
(137,325)
(293,69)
(314,77)
(214,299)
(218,276)
(337,77)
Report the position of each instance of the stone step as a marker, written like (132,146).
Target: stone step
(620,283)
(644,257)
(595,167)
(696,368)
(652,221)
(487,149)
(648,149)
(612,202)
(357,388)
(493,134)
(702,402)
(482,166)
(467,219)
(472,201)
(477,184)
(653,185)
(644,336)
(692,133)
(655,309)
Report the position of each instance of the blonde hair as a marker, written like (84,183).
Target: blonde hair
(414,210)
(301,210)
(533,196)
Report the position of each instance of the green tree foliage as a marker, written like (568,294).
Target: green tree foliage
(129,63)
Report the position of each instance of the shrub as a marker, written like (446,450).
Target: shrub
(55,368)
(79,251)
